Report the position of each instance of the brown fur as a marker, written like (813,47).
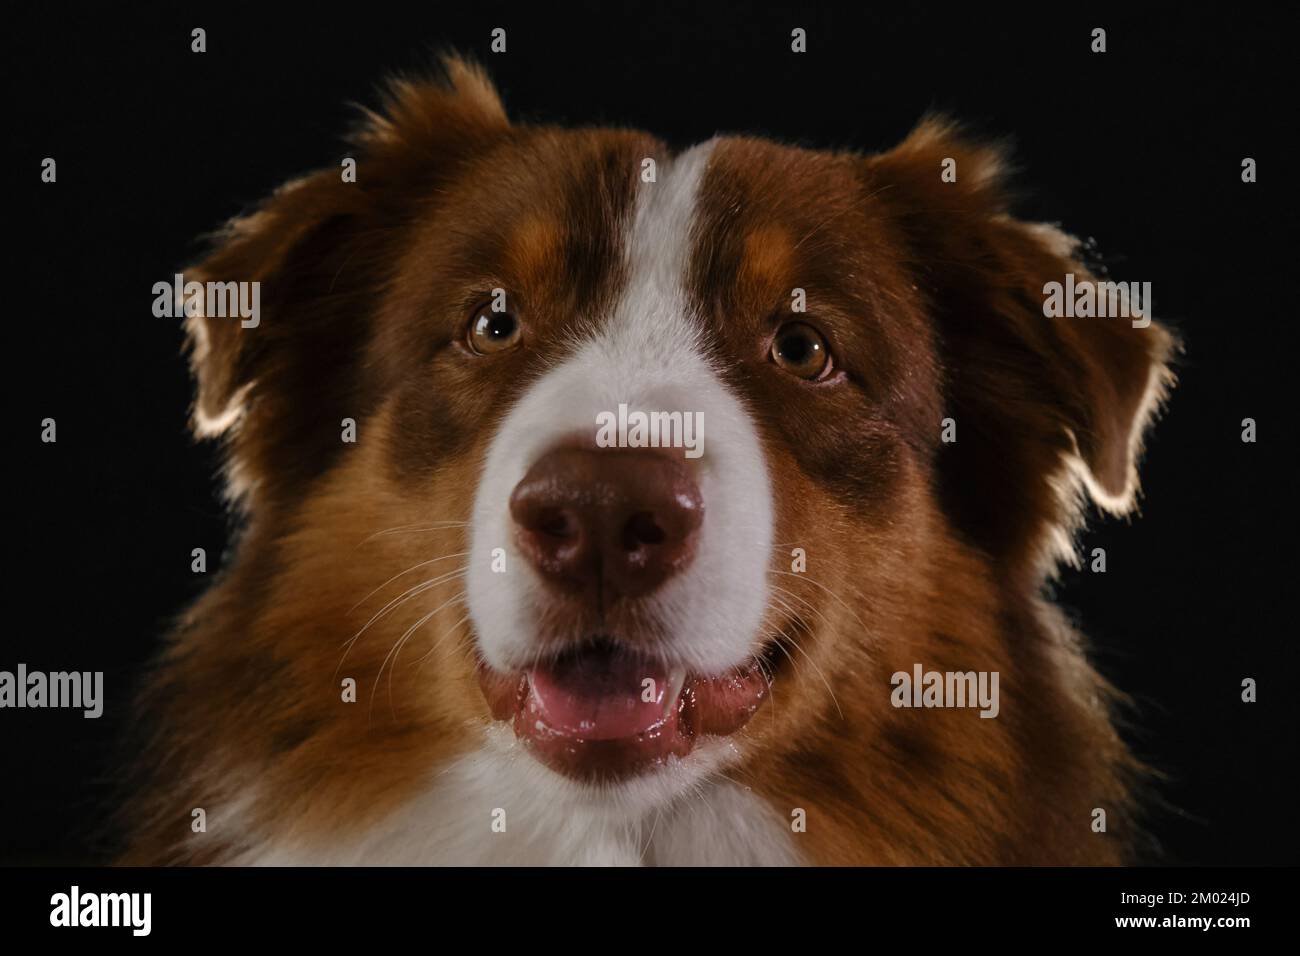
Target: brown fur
(918,552)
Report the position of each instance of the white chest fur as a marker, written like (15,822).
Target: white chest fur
(497,806)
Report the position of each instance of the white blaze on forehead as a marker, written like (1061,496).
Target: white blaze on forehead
(654,308)
(648,353)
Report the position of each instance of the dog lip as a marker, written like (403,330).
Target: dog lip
(586,731)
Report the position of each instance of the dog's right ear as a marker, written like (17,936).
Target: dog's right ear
(277,386)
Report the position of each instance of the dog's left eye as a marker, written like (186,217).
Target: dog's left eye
(492,331)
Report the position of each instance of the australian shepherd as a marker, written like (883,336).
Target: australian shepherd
(604,504)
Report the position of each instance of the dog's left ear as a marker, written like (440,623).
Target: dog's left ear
(1045,407)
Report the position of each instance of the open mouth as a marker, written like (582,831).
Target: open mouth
(603,711)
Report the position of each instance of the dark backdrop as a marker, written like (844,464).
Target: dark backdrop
(1140,148)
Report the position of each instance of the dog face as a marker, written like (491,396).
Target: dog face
(485,296)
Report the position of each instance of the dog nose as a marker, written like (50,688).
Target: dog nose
(607,523)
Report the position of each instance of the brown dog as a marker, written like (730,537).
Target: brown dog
(608,505)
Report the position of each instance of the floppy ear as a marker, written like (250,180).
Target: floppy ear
(318,249)
(1047,408)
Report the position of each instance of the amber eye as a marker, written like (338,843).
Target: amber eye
(491,331)
(801,350)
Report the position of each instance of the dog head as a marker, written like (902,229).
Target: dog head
(666,431)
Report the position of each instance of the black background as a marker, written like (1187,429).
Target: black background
(1140,148)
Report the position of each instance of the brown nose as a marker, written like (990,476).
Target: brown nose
(607,523)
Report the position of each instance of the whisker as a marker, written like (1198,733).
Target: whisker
(445,557)
(407,595)
(771,680)
(400,599)
(835,700)
(795,643)
(793,662)
(445,634)
(805,602)
(833,595)
(415,529)
(650,838)
(396,649)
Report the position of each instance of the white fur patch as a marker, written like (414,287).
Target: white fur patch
(499,806)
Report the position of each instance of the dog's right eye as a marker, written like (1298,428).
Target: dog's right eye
(493,331)
(802,351)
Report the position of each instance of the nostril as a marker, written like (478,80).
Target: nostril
(642,529)
(555,523)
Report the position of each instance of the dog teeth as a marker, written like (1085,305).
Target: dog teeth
(676,681)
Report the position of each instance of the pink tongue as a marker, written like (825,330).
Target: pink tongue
(600,696)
